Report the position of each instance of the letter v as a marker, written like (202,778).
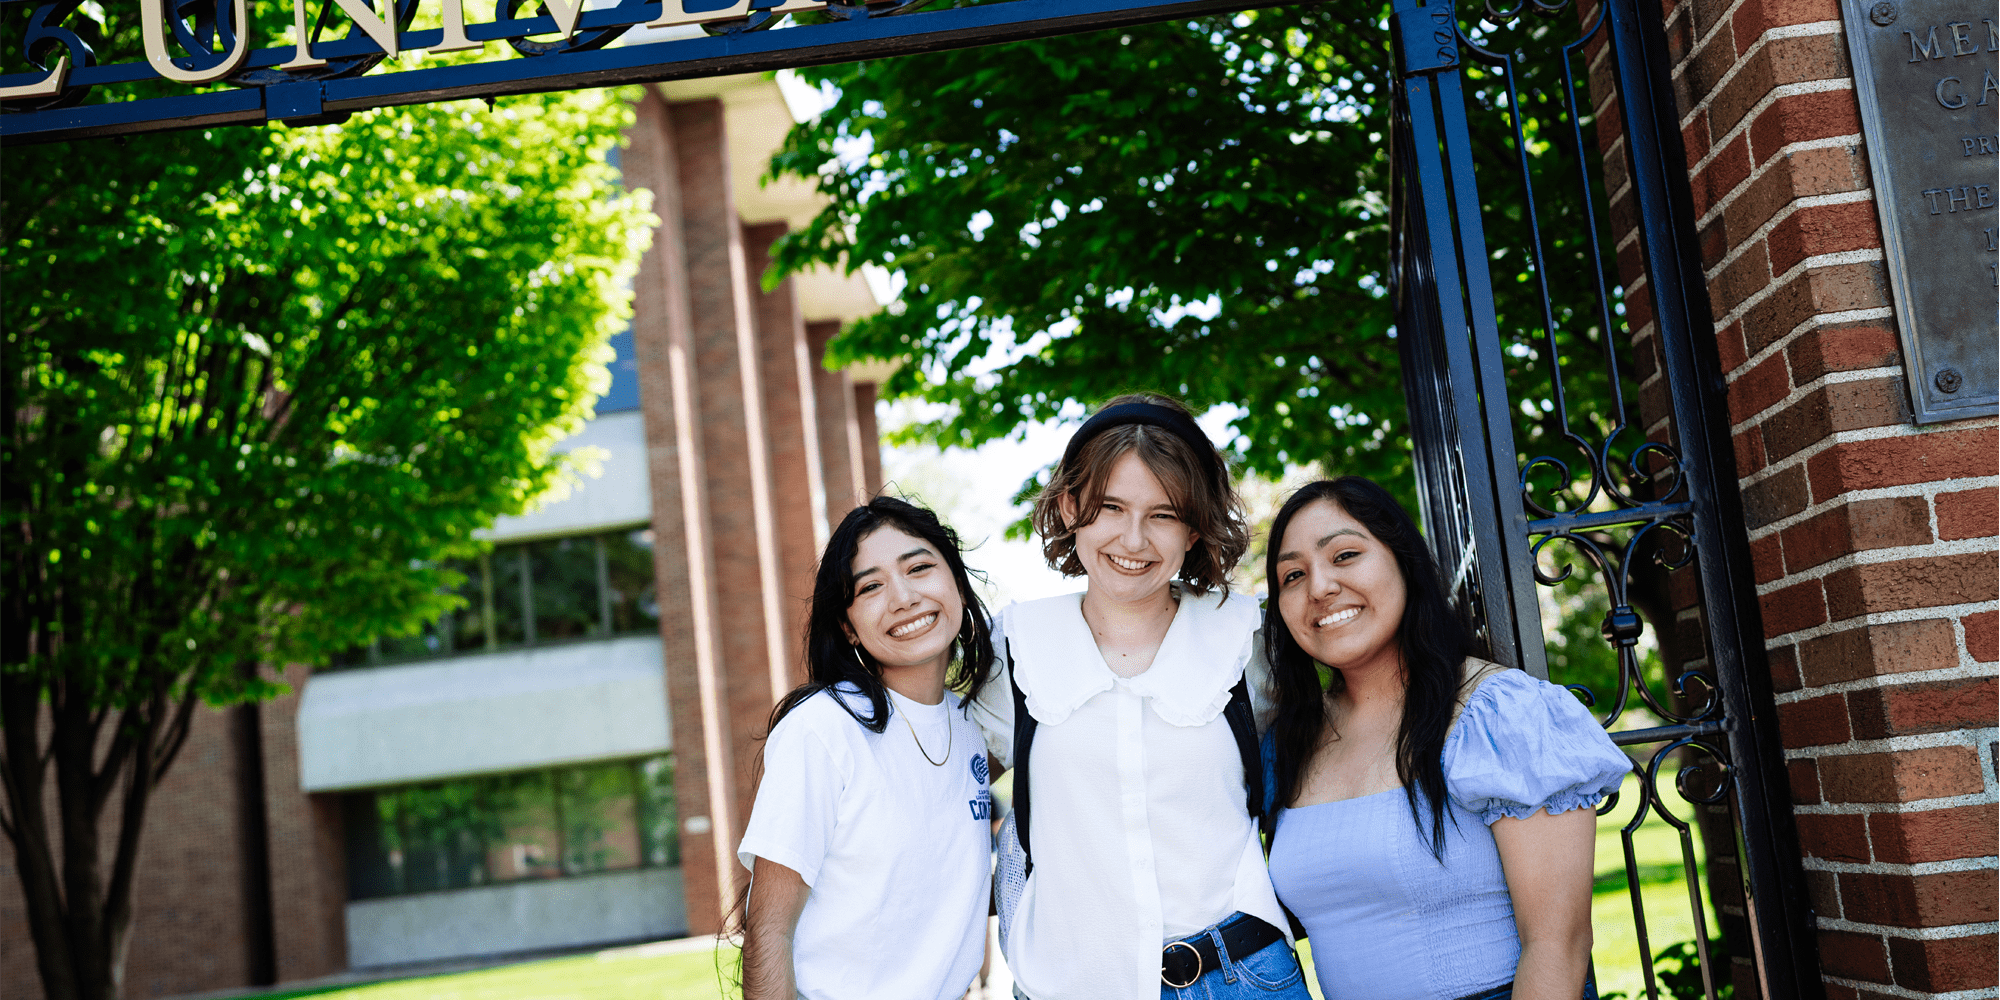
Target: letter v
(565,13)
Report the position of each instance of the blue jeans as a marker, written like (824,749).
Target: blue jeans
(1273,972)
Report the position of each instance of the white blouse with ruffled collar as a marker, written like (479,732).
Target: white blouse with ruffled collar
(1139,831)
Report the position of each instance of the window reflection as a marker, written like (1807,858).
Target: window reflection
(549,591)
(506,828)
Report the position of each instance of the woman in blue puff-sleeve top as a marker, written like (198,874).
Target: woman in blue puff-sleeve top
(1436,833)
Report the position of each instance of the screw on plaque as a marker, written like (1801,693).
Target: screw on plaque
(1883,13)
(1948,380)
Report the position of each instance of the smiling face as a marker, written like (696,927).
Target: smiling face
(1339,589)
(1134,547)
(906,608)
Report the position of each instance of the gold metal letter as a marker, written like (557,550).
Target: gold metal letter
(302,57)
(566,14)
(382,32)
(48,86)
(152,25)
(454,30)
(671,12)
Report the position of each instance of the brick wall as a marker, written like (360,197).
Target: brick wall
(1873,539)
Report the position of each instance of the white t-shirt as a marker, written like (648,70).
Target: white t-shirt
(895,849)
(1139,830)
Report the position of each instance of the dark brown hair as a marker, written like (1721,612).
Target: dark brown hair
(1201,493)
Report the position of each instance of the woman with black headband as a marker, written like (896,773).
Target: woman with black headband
(1131,866)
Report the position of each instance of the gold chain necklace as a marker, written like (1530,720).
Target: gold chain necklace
(920,743)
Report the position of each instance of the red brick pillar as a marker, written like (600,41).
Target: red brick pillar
(307,856)
(870,442)
(1873,539)
(791,414)
(684,562)
(839,427)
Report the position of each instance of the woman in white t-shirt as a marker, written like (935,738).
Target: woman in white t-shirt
(1146,875)
(869,842)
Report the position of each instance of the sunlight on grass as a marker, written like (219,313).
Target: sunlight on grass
(614,975)
(1663,890)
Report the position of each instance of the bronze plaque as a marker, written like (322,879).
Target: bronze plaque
(1926,76)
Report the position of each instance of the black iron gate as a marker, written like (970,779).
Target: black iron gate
(1516,342)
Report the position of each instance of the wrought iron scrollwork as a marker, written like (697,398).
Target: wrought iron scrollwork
(1721,776)
(39,46)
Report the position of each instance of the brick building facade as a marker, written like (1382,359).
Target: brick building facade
(1872,537)
(1873,541)
(732,449)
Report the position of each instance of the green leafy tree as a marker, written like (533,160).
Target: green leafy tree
(1199,207)
(258,384)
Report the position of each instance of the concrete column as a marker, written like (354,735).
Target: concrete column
(869,445)
(684,547)
(791,414)
(839,431)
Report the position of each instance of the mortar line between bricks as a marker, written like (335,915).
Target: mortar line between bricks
(1974,738)
(1861,434)
(1814,322)
(1778,281)
(1928,491)
(1779,218)
(1800,392)
(1880,682)
(1950,612)
(1875,557)
(1791,208)
(1726,20)
(1945,933)
(1893,808)
(1987,863)
(1758,170)
(1777,93)
(1864,986)
(1809,29)
(1804,30)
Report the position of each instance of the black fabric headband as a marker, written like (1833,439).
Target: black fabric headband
(1153,415)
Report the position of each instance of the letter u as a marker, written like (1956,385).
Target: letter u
(152,20)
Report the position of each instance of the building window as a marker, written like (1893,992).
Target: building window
(536,593)
(491,830)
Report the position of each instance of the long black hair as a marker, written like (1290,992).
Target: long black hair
(1432,639)
(831,659)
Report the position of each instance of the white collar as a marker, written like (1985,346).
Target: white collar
(1058,666)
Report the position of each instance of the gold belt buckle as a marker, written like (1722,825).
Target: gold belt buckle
(1196,952)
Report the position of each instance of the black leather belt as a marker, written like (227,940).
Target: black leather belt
(1182,962)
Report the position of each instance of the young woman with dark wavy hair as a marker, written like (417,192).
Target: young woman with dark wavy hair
(1147,875)
(1436,833)
(870,831)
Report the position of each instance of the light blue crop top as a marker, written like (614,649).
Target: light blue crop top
(1387,920)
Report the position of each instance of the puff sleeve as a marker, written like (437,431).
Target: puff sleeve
(1524,744)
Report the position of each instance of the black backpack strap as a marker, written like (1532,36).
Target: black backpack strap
(1024,740)
(1243,725)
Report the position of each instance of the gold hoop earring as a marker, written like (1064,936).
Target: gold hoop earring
(857,657)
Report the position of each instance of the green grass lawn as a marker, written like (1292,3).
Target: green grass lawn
(623,974)
(654,973)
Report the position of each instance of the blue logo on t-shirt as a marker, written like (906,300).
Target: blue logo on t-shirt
(982,806)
